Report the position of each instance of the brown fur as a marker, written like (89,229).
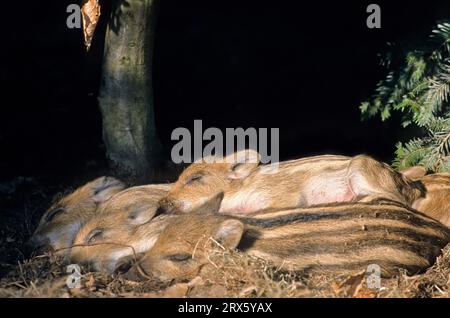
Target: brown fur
(436,202)
(337,239)
(59,224)
(124,225)
(249,187)
(414,173)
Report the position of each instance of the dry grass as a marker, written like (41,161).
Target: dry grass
(230,274)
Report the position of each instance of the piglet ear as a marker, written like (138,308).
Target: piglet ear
(414,173)
(242,163)
(143,214)
(229,233)
(207,159)
(244,156)
(105,187)
(212,205)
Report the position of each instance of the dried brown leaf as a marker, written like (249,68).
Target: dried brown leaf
(90,11)
(350,287)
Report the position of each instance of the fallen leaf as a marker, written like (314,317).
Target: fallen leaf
(350,287)
(365,292)
(90,11)
(90,283)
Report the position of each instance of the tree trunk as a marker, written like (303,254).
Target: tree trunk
(126,93)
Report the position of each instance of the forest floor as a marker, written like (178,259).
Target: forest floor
(231,274)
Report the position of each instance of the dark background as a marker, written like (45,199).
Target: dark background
(303,67)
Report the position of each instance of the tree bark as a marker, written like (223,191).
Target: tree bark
(126,93)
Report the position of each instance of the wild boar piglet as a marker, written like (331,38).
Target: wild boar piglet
(436,202)
(61,222)
(249,187)
(342,238)
(124,227)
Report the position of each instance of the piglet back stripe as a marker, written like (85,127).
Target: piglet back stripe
(381,213)
(371,231)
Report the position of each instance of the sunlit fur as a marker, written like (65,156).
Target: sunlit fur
(296,183)
(128,225)
(436,202)
(75,210)
(335,239)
